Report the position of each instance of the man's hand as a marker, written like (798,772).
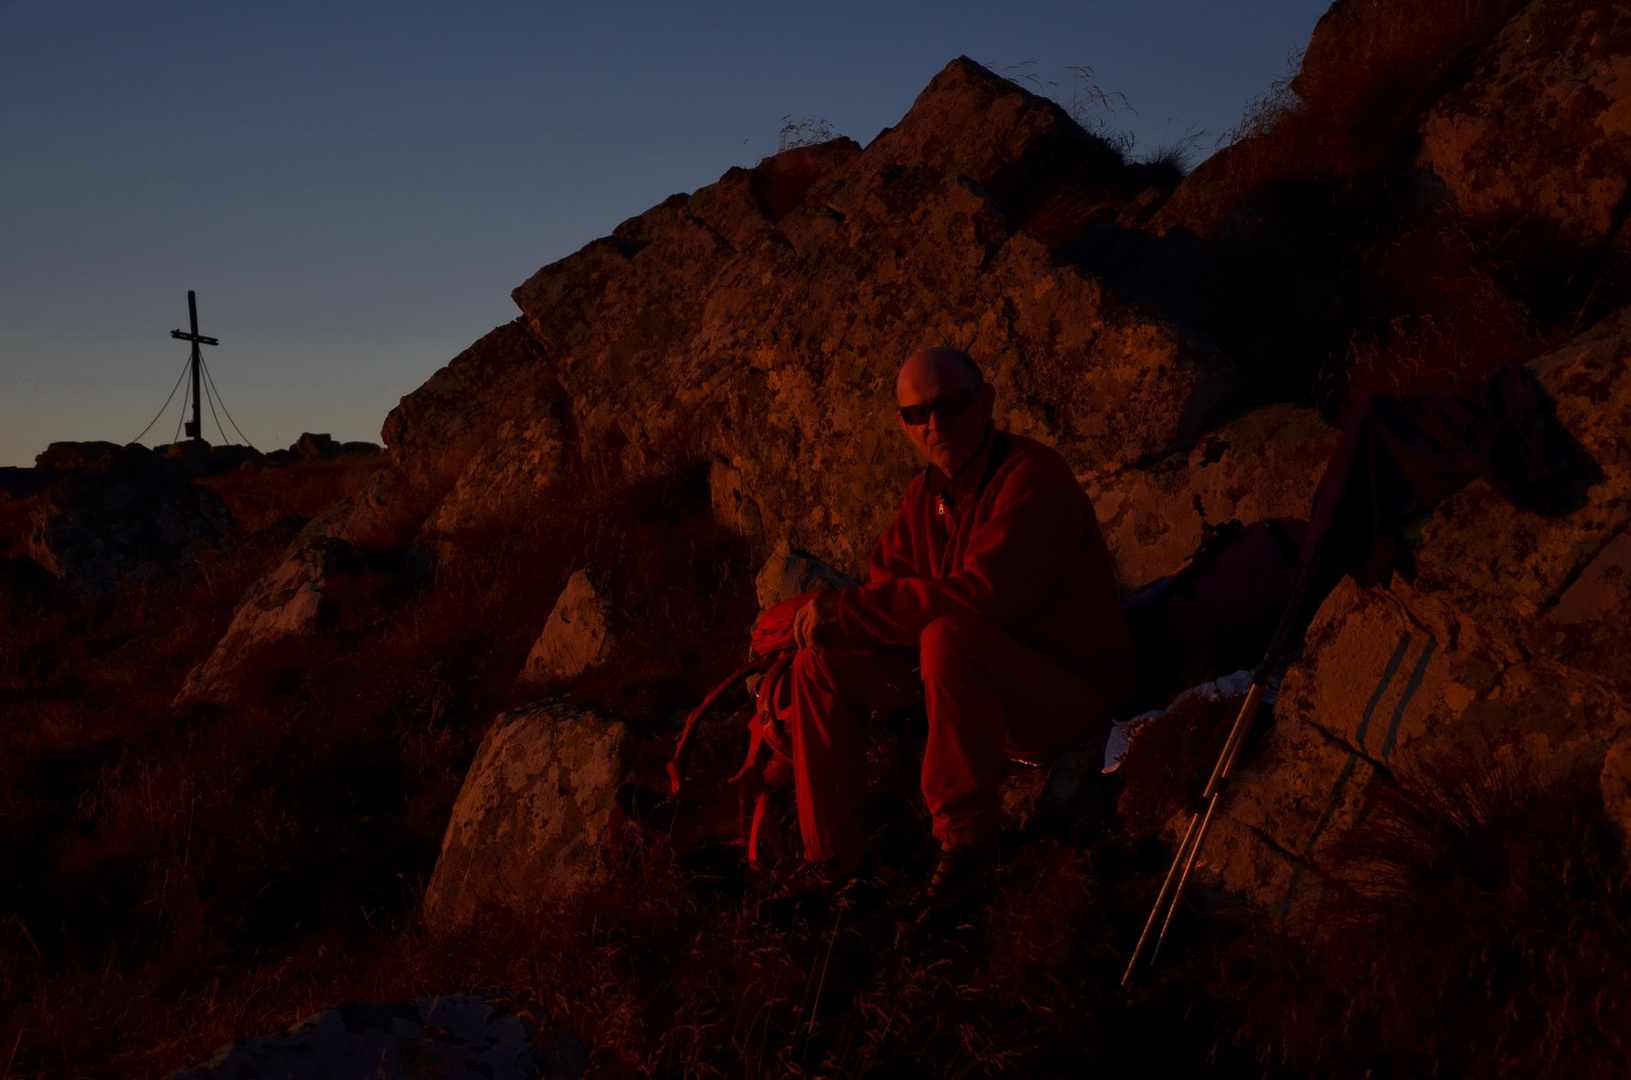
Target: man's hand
(814,623)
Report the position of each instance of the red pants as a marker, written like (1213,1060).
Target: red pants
(988,696)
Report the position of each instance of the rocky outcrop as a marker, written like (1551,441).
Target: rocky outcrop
(102,516)
(1553,586)
(1509,643)
(755,327)
(576,635)
(121,517)
(484,431)
(1264,465)
(283,610)
(531,821)
(1557,79)
(482,1036)
(763,333)
(789,573)
(65,457)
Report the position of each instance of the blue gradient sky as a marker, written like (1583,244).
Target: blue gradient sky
(354,188)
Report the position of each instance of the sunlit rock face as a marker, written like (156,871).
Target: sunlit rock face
(759,323)
(756,328)
(1558,78)
(1508,645)
(1264,465)
(531,821)
(577,634)
(281,611)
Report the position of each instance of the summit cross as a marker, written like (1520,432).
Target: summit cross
(195,426)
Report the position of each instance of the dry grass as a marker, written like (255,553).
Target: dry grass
(182,875)
(1354,111)
(1170,759)
(1476,925)
(257,498)
(664,972)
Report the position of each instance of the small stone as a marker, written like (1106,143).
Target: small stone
(790,572)
(577,635)
(481,1036)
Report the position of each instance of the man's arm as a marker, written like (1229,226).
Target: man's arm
(815,624)
(892,555)
(1005,573)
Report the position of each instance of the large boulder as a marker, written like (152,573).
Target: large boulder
(1541,133)
(789,572)
(1508,644)
(1553,585)
(1264,465)
(531,821)
(483,1036)
(765,338)
(1391,677)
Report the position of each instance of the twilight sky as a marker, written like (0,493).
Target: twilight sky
(354,188)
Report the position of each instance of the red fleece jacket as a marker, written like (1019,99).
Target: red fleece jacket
(1018,545)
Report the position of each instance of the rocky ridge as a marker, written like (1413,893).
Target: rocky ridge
(752,329)
(97,516)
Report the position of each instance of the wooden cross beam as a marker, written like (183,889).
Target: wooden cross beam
(195,426)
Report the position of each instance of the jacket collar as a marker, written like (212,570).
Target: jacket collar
(968,480)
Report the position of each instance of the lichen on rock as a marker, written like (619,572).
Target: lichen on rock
(1509,642)
(1264,465)
(530,822)
(1559,76)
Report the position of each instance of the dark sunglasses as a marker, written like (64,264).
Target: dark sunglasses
(953,403)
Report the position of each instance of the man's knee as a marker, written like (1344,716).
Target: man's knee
(809,669)
(956,641)
(830,671)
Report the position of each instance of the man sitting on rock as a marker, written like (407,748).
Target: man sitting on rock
(990,601)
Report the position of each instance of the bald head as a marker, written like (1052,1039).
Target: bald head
(943,371)
(950,436)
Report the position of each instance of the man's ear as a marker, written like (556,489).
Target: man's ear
(986,395)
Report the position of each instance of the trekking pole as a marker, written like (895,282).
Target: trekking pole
(1172,889)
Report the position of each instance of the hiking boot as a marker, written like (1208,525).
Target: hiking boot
(961,880)
(962,875)
(810,884)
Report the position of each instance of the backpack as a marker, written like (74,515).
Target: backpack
(769,760)
(1217,613)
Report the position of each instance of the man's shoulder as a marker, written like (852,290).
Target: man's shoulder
(1027,457)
